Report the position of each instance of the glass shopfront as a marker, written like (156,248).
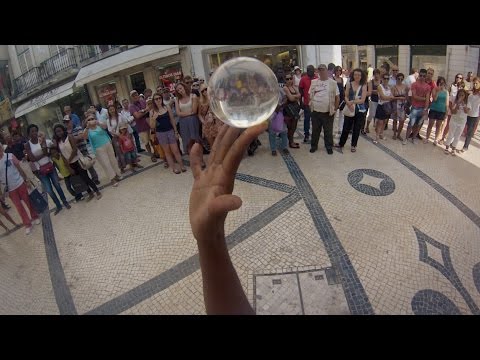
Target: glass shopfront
(429,56)
(107,93)
(284,56)
(386,54)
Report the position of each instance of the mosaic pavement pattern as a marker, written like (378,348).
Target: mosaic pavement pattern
(390,229)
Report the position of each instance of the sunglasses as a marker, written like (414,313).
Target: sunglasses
(288,78)
(400,78)
(386,78)
(394,70)
(459,77)
(188,82)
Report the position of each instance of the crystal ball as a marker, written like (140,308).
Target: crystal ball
(243,92)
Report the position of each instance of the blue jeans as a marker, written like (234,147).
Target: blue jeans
(47,181)
(272,137)
(306,121)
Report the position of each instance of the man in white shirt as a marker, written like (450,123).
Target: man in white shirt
(324,100)
(101,113)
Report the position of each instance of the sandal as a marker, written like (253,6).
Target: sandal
(353,149)
(375,141)
(446,151)
(367,130)
(184,170)
(362,131)
(176,171)
(154,159)
(165,165)
(294,145)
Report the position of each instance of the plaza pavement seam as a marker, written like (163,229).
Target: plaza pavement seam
(187,267)
(355,294)
(439,188)
(63,296)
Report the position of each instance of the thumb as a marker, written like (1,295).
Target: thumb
(223,204)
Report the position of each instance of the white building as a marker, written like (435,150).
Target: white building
(47,77)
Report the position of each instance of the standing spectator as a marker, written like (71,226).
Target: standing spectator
(127,147)
(458,120)
(11,172)
(131,121)
(38,153)
(369,72)
(113,126)
(101,113)
(304,88)
(297,76)
(102,148)
(473,105)
(293,98)
(187,106)
(324,100)
(339,79)
(139,110)
(454,87)
(469,83)
(69,152)
(355,95)
(211,124)
(74,117)
(400,93)
(373,90)
(438,109)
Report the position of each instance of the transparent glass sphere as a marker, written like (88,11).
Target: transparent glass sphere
(243,92)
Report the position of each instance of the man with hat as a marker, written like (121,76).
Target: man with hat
(324,100)
(77,133)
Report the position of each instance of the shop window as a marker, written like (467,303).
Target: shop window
(386,54)
(275,56)
(138,82)
(429,56)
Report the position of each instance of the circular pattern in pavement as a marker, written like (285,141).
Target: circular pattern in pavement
(386,185)
(431,302)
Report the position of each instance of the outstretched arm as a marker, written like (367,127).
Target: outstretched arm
(210,201)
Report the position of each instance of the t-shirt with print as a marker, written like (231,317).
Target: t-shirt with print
(14,177)
(420,89)
(319,90)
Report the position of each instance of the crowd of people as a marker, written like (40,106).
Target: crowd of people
(325,93)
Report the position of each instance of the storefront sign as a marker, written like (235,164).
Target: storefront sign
(107,90)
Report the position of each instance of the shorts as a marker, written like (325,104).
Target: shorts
(130,157)
(380,114)
(436,115)
(144,137)
(416,116)
(166,137)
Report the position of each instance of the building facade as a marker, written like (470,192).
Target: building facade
(45,78)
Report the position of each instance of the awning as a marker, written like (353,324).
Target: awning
(44,99)
(123,60)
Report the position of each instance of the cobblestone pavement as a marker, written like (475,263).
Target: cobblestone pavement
(390,229)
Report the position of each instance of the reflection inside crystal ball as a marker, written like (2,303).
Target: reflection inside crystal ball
(243,92)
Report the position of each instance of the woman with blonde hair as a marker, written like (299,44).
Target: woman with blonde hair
(210,123)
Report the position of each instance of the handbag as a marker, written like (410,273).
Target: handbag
(387,107)
(46,169)
(86,161)
(277,122)
(293,110)
(38,201)
(347,111)
(78,184)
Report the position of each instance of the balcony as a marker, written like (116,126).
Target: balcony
(64,60)
(91,53)
(28,80)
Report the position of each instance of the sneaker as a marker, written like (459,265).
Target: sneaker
(28,230)
(78,200)
(67,205)
(312,150)
(36,222)
(329,151)
(57,211)
(306,140)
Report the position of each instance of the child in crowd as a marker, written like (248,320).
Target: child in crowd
(127,146)
(61,165)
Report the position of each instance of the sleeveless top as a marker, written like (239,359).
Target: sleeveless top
(294,92)
(374,97)
(163,123)
(36,150)
(186,107)
(66,150)
(396,92)
(440,104)
(386,92)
